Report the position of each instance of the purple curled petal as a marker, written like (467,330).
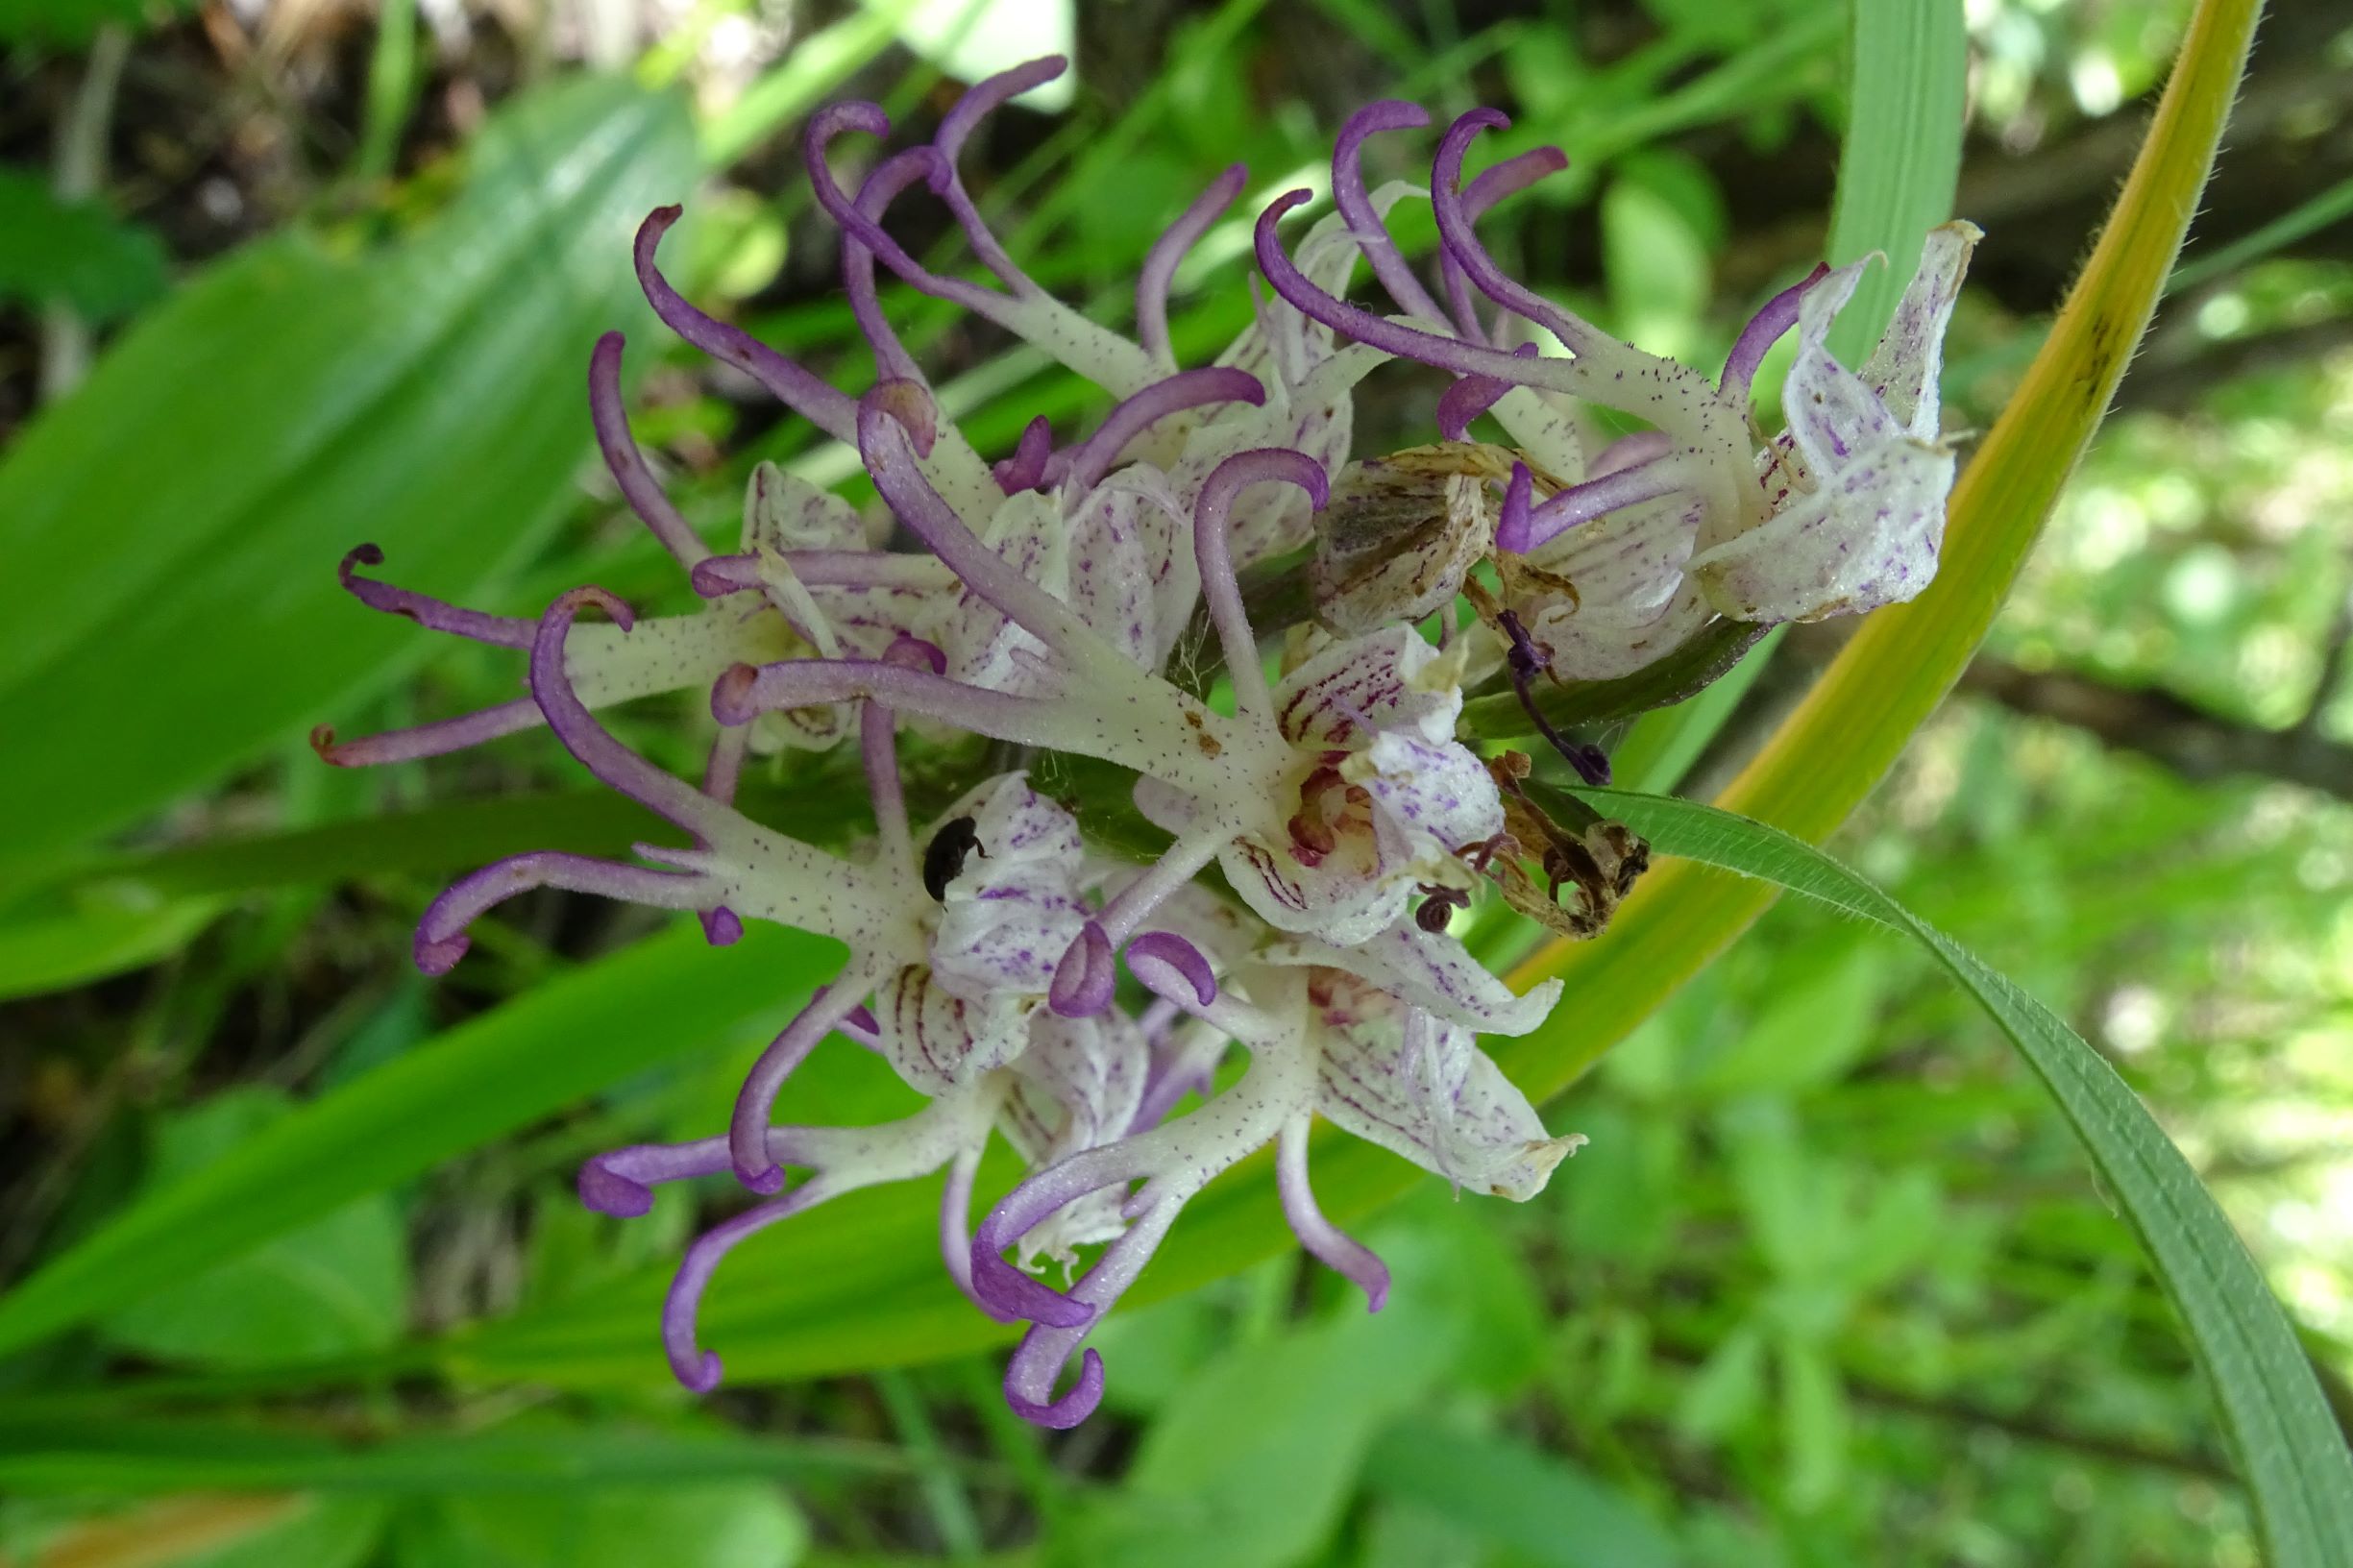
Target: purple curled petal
(1085,978)
(1302,294)
(1167,948)
(1085,465)
(432,614)
(441,939)
(1160,264)
(915,654)
(1514,524)
(830,410)
(1331,1246)
(1072,1407)
(890,178)
(608,1191)
(1025,469)
(1213,554)
(837,120)
(438,739)
(1472,396)
(623,459)
(1356,208)
(1492,186)
(986,96)
(1765,329)
(1461,236)
(1010,1296)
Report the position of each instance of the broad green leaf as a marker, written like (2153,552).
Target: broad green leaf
(1900,156)
(318,1532)
(1814,1423)
(531,1056)
(2290,1452)
(169,533)
(1513,1496)
(106,936)
(75,253)
(114,1455)
(75,21)
(1251,1462)
(708,1524)
(335,1286)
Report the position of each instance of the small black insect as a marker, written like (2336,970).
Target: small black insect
(944,856)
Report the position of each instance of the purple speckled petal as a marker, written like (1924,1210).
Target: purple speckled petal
(1868,537)
(1906,366)
(1440,792)
(1393,1076)
(1433,971)
(937,1040)
(1012,908)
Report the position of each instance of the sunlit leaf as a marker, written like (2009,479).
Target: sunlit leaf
(169,533)
(2290,1452)
(535,1055)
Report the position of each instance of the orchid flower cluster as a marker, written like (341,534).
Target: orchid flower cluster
(1040,600)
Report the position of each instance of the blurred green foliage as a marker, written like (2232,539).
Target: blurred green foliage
(1831,1275)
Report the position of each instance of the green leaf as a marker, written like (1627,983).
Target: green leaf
(106,936)
(74,254)
(76,22)
(2290,1452)
(335,1286)
(532,1056)
(1256,1454)
(710,1524)
(314,1532)
(1515,1497)
(169,533)
(1900,156)
(1813,1424)
(47,1454)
